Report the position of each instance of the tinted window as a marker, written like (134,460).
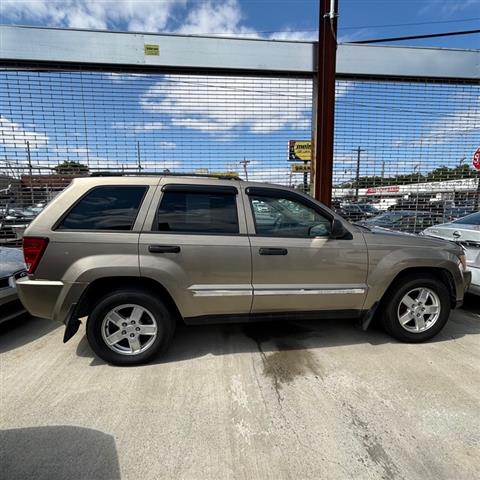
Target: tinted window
(105,208)
(473,219)
(188,212)
(282,217)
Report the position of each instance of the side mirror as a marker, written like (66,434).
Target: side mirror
(320,230)
(338,230)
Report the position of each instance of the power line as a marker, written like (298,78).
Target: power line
(351,27)
(415,37)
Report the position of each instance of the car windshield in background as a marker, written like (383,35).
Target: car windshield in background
(369,208)
(392,217)
(473,219)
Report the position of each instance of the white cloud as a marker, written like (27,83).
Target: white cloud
(447,8)
(167,145)
(138,126)
(140,15)
(220,104)
(13,135)
(446,129)
(215,17)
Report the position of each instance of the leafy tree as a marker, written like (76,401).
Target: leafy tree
(439,174)
(70,168)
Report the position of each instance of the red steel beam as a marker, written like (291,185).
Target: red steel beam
(324,103)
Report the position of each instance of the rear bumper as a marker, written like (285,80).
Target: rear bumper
(49,299)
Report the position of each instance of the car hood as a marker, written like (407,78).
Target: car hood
(402,239)
(11,261)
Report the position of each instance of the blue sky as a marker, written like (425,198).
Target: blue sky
(359,19)
(188,123)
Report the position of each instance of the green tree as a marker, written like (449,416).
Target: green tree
(70,168)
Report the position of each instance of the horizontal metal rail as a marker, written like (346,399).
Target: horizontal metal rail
(62,48)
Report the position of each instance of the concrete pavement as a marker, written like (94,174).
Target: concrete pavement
(293,400)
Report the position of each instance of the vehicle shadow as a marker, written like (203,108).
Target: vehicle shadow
(58,453)
(22,330)
(197,341)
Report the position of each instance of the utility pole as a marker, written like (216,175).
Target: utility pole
(138,157)
(324,102)
(32,203)
(245,163)
(359,151)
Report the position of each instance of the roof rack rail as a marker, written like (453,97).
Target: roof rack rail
(165,174)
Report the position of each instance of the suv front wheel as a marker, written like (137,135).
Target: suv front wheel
(416,308)
(129,327)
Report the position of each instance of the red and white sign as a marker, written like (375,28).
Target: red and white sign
(377,190)
(476,159)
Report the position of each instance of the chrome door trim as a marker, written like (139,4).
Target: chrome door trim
(309,291)
(221,290)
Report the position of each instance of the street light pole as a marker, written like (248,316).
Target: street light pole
(359,151)
(30,173)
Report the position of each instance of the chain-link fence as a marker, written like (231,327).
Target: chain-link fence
(406,148)
(403,146)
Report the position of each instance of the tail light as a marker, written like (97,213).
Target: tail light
(33,248)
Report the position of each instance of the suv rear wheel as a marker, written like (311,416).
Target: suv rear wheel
(416,308)
(129,327)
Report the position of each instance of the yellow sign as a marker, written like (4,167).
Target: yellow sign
(300,167)
(151,49)
(299,150)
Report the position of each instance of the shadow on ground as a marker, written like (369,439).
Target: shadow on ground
(22,330)
(197,341)
(58,453)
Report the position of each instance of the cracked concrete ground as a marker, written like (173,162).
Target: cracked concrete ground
(317,400)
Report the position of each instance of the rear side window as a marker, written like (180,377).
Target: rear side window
(105,208)
(189,212)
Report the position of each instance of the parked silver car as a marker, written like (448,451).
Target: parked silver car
(465,231)
(12,268)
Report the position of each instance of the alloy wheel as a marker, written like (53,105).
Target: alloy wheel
(129,329)
(419,310)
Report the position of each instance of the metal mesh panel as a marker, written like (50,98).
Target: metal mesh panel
(416,139)
(131,122)
(406,147)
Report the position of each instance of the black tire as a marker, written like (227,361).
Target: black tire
(391,302)
(162,316)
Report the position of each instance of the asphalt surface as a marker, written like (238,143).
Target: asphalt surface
(295,400)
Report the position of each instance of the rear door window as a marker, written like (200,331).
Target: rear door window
(194,212)
(105,208)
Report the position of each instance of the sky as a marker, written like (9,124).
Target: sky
(282,19)
(190,123)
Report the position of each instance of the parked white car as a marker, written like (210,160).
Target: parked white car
(466,231)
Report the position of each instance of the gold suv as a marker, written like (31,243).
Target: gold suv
(136,254)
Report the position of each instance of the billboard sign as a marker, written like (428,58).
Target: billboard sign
(299,150)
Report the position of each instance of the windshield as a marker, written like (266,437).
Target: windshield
(368,208)
(473,219)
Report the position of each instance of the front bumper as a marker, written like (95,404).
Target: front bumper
(474,286)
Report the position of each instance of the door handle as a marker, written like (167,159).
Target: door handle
(272,251)
(164,249)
